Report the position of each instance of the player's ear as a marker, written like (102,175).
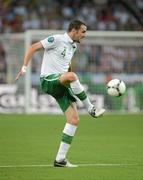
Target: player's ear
(74,30)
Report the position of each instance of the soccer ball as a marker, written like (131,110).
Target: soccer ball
(116,87)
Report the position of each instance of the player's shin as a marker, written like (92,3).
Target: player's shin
(67,136)
(78,90)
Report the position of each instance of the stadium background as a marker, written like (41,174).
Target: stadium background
(109,148)
(95,64)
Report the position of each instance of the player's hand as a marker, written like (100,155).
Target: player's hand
(21,72)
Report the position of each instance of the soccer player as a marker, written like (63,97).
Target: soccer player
(58,80)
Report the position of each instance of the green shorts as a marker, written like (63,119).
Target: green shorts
(63,95)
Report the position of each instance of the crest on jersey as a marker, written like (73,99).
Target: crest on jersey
(50,39)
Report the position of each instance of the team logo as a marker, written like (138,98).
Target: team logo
(50,39)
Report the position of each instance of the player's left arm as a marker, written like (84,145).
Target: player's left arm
(70,68)
(70,65)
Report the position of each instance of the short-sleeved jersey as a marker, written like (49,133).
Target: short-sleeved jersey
(59,50)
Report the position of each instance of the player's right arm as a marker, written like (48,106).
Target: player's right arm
(28,56)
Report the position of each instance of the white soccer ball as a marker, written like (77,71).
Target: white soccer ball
(116,87)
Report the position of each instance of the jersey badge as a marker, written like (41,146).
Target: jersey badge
(50,39)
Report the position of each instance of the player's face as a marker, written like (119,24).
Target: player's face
(80,34)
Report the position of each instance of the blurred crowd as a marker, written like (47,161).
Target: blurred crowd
(18,16)
(109,59)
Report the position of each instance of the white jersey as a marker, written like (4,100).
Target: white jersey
(59,50)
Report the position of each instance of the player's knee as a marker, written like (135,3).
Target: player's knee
(72,76)
(74,121)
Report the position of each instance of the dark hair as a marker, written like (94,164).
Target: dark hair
(75,24)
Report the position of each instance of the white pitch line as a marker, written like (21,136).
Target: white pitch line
(110,164)
(50,165)
(28,165)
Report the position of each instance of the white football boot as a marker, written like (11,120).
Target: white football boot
(64,163)
(96,112)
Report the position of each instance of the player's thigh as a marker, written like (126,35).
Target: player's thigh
(51,85)
(72,114)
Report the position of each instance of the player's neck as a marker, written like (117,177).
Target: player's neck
(71,35)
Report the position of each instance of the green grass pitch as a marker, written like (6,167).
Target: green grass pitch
(107,148)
